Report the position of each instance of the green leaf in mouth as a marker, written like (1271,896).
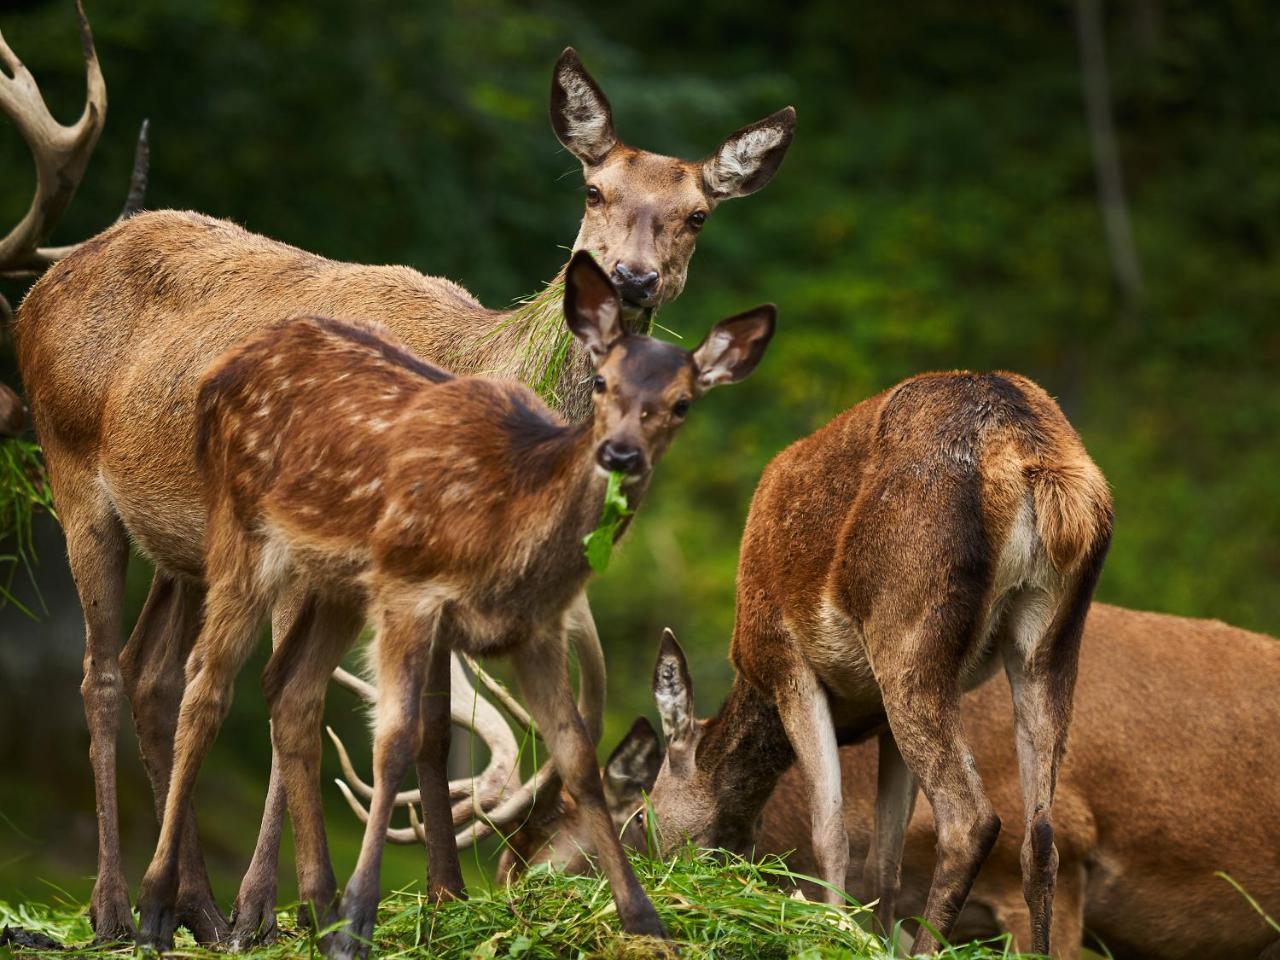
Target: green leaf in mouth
(598,544)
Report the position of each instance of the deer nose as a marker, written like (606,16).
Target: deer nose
(635,284)
(621,457)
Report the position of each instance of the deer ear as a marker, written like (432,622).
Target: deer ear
(580,113)
(632,767)
(591,306)
(673,691)
(748,159)
(734,347)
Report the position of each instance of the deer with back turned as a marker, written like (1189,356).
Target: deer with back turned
(453,512)
(889,562)
(113,339)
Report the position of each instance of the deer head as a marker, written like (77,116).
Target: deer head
(644,211)
(644,387)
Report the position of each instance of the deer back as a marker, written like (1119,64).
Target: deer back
(946,489)
(365,463)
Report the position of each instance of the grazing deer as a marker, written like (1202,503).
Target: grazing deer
(1172,747)
(887,561)
(453,511)
(111,344)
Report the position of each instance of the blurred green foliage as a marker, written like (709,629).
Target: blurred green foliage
(937,210)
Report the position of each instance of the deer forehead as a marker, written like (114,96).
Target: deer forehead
(667,184)
(643,365)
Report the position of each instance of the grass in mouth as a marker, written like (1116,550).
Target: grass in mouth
(24,492)
(598,544)
(716,909)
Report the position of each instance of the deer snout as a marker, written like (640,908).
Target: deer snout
(621,456)
(638,285)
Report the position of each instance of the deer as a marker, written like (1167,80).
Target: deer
(450,511)
(112,341)
(1130,775)
(890,561)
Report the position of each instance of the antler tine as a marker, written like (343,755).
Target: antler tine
(61,153)
(501,694)
(483,802)
(469,710)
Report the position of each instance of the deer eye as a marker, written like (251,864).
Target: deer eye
(599,385)
(681,407)
(697,219)
(594,196)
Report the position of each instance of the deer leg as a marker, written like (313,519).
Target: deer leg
(444,872)
(925,719)
(806,716)
(254,913)
(401,678)
(152,668)
(295,682)
(542,669)
(1040,661)
(233,611)
(99,553)
(895,801)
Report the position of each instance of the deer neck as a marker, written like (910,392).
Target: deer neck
(744,749)
(531,343)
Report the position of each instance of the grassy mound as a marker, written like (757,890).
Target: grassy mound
(713,909)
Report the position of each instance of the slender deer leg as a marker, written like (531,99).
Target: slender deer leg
(581,626)
(401,677)
(232,614)
(1040,654)
(806,716)
(98,552)
(925,720)
(295,682)
(254,912)
(542,669)
(895,801)
(152,667)
(444,872)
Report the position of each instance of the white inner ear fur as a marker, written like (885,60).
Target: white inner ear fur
(603,330)
(586,120)
(740,157)
(673,701)
(711,358)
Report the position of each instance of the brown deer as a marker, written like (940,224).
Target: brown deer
(112,340)
(887,561)
(451,510)
(1172,747)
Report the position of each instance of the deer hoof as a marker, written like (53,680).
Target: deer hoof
(110,913)
(202,917)
(253,922)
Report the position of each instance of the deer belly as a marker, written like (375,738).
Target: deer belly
(832,645)
(162,517)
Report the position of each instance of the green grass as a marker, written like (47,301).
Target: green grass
(24,491)
(713,909)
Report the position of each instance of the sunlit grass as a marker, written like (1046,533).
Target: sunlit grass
(713,909)
(24,492)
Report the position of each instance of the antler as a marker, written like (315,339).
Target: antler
(61,154)
(481,800)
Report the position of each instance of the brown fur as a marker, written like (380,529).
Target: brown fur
(453,511)
(887,560)
(113,339)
